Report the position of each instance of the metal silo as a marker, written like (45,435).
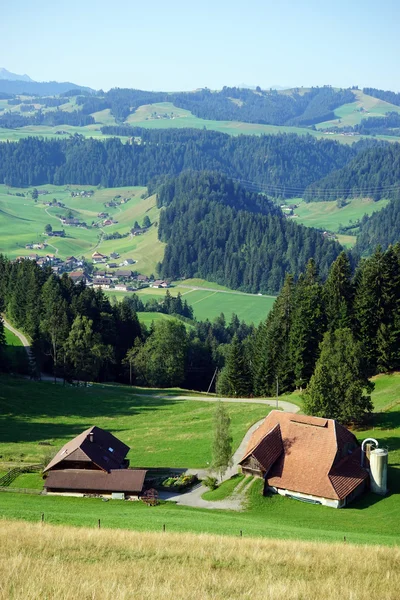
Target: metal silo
(378,462)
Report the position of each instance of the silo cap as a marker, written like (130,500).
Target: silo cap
(380,451)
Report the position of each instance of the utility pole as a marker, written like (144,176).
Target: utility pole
(277,390)
(211,382)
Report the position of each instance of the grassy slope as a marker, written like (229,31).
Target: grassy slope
(11,338)
(43,562)
(161,432)
(350,114)
(22,221)
(168,432)
(144,117)
(327,215)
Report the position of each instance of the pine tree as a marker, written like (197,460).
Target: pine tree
(336,389)
(222,444)
(339,293)
(235,378)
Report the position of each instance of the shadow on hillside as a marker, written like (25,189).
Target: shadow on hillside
(22,401)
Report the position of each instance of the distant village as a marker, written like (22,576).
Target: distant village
(114,273)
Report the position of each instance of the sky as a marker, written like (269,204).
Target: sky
(178,45)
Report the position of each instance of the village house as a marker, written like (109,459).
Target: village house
(102,282)
(98,258)
(93,463)
(114,255)
(138,230)
(306,458)
(56,233)
(142,278)
(159,283)
(77,276)
(123,274)
(128,261)
(111,265)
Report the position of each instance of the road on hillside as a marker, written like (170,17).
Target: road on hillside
(20,336)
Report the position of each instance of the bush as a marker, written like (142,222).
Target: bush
(211,482)
(180,483)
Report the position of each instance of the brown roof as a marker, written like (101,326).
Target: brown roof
(105,451)
(316,457)
(120,480)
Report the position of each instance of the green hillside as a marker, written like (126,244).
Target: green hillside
(352,114)
(22,221)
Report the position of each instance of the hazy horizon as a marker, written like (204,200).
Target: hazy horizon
(179,47)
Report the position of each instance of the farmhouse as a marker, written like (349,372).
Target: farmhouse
(307,458)
(93,463)
(159,283)
(124,274)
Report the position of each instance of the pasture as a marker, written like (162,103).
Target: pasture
(364,106)
(160,431)
(328,216)
(22,221)
(165,115)
(165,431)
(41,561)
(210,302)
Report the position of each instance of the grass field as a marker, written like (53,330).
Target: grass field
(350,114)
(160,432)
(165,115)
(168,432)
(210,302)
(11,338)
(328,216)
(22,221)
(40,561)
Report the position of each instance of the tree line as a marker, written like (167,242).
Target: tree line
(325,337)
(282,165)
(79,334)
(13,120)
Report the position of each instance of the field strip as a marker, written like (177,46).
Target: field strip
(207,289)
(189,292)
(201,299)
(51,216)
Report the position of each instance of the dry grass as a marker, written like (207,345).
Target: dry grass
(41,561)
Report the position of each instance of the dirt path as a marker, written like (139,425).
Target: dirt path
(21,337)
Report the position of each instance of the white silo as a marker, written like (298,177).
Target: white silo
(378,462)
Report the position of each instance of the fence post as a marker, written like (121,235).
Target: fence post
(99,523)
(241,533)
(42,517)
(163,527)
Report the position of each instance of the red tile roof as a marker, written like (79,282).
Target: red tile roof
(315,458)
(120,480)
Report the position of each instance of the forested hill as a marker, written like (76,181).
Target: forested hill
(386,95)
(283,165)
(269,107)
(216,230)
(374,173)
(380,229)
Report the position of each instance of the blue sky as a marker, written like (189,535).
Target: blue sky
(180,45)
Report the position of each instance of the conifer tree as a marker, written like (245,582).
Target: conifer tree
(336,389)
(235,378)
(339,293)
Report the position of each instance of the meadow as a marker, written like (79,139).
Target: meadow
(211,301)
(165,115)
(364,106)
(164,431)
(22,221)
(328,216)
(40,561)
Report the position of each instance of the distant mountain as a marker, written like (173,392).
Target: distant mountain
(4,74)
(36,88)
